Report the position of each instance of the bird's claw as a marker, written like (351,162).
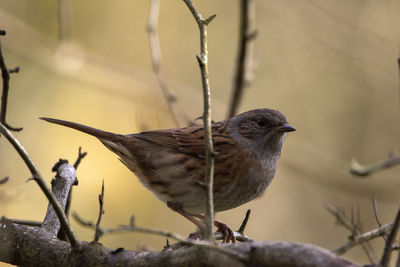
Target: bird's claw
(227,233)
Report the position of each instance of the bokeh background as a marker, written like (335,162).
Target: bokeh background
(330,66)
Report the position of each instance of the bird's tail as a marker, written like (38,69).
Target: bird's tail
(102,135)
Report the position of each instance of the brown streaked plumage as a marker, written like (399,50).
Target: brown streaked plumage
(171,162)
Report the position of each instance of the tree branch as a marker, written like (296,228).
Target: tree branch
(23,244)
(389,243)
(80,157)
(4,180)
(61,186)
(247,34)
(63,15)
(98,232)
(25,222)
(158,69)
(244,223)
(133,228)
(40,181)
(356,240)
(5,74)
(353,228)
(364,170)
(203,63)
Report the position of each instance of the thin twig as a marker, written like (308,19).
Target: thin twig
(42,184)
(364,238)
(98,231)
(156,58)
(389,243)
(353,228)
(210,155)
(133,228)
(4,180)
(5,74)
(15,69)
(76,164)
(80,157)
(364,170)
(244,223)
(63,15)
(247,34)
(375,208)
(25,222)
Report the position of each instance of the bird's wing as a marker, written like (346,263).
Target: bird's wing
(189,140)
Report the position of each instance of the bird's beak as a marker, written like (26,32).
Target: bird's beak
(285,128)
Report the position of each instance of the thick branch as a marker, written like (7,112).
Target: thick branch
(34,247)
(61,186)
(40,181)
(203,63)
(133,228)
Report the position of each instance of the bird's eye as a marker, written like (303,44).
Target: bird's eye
(261,122)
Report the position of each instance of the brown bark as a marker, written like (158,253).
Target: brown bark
(33,246)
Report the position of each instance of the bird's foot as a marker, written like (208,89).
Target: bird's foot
(227,233)
(198,220)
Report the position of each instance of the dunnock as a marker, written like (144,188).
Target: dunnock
(171,163)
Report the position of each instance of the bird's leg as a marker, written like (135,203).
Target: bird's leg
(177,208)
(227,233)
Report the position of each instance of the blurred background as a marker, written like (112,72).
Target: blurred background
(329,66)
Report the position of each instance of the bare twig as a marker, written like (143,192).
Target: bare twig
(364,170)
(15,70)
(364,238)
(40,181)
(98,232)
(389,243)
(4,180)
(76,164)
(63,13)
(244,223)
(352,227)
(5,74)
(203,63)
(133,228)
(25,222)
(158,69)
(244,70)
(80,157)
(375,208)
(339,216)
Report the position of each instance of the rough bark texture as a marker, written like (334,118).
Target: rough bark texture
(61,186)
(33,246)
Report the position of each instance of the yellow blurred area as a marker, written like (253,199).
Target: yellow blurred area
(330,66)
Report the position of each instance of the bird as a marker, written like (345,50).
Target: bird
(171,163)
